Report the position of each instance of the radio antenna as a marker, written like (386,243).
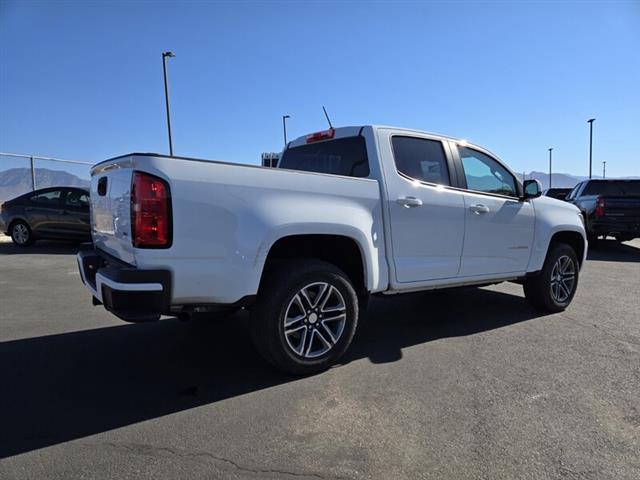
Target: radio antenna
(327,115)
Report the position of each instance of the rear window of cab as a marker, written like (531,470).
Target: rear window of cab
(342,156)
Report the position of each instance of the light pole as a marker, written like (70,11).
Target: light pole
(284,127)
(590,122)
(166,96)
(604,169)
(550,150)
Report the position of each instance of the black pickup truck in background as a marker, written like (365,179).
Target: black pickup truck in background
(610,208)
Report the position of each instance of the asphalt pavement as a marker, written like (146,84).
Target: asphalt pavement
(464,384)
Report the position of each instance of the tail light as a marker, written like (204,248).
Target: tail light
(599,207)
(150,212)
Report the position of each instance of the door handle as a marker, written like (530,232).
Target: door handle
(408,202)
(479,209)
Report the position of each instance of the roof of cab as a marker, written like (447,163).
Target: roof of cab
(351,131)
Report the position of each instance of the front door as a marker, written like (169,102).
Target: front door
(426,217)
(44,211)
(499,226)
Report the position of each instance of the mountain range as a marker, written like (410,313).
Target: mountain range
(16,181)
(559,180)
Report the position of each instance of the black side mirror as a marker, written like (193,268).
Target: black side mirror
(532,189)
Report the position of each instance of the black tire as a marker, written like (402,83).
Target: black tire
(592,238)
(538,289)
(279,287)
(17,231)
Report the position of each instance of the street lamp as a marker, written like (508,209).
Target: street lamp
(590,122)
(550,150)
(166,96)
(284,127)
(604,169)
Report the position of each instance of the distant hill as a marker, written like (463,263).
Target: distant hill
(559,180)
(16,181)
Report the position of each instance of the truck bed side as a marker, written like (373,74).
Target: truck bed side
(226,217)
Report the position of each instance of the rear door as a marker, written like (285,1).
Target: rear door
(426,216)
(499,226)
(76,213)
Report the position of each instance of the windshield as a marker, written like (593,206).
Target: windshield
(343,156)
(613,188)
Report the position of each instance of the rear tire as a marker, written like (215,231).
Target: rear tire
(305,316)
(21,234)
(554,287)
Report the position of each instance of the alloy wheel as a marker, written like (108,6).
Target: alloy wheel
(20,233)
(563,279)
(315,319)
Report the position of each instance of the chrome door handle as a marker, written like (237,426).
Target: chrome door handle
(479,209)
(408,202)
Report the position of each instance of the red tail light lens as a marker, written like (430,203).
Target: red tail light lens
(324,135)
(599,207)
(150,212)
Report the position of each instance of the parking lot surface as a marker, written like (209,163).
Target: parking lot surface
(464,384)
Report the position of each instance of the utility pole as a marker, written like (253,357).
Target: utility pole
(590,122)
(604,169)
(166,96)
(550,150)
(284,127)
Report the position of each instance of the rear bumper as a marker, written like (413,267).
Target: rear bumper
(611,227)
(131,294)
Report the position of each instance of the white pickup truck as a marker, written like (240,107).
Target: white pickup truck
(347,213)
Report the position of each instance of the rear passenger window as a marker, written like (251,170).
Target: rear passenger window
(343,156)
(76,199)
(421,159)
(51,198)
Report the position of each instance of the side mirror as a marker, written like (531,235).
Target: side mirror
(532,189)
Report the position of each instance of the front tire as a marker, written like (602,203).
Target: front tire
(21,234)
(305,317)
(554,287)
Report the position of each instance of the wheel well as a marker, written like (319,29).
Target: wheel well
(573,239)
(14,221)
(341,251)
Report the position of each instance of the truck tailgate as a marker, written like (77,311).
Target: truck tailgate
(625,209)
(111,209)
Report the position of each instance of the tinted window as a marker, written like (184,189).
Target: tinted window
(615,188)
(344,156)
(421,159)
(51,198)
(485,174)
(77,199)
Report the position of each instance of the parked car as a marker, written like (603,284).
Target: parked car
(347,213)
(56,213)
(610,208)
(559,193)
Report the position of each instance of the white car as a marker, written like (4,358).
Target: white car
(347,213)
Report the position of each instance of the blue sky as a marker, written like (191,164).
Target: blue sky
(83,80)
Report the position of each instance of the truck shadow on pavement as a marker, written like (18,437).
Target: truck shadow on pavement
(612,251)
(63,387)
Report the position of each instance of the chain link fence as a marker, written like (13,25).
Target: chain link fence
(20,174)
